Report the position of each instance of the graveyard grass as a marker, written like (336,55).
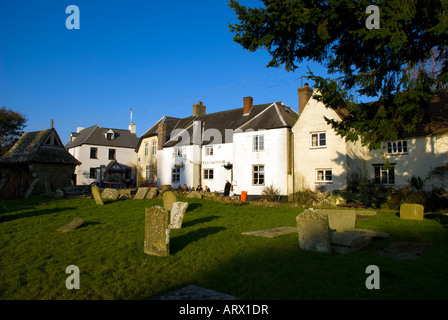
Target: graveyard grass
(209,250)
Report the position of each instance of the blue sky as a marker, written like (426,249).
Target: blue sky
(156,57)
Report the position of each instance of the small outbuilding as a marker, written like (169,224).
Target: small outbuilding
(37,164)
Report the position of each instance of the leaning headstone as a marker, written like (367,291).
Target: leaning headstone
(110,193)
(339,220)
(177,214)
(194,194)
(97,195)
(314,233)
(141,193)
(157,231)
(168,199)
(409,211)
(75,223)
(152,193)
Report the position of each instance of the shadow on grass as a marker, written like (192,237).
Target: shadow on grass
(29,214)
(180,242)
(199,220)
(440,218)
(193,206)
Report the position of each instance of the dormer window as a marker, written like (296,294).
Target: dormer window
(110,135)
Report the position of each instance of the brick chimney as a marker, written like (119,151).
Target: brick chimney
(161,135)
(199,109)
(305,94)
(248,103)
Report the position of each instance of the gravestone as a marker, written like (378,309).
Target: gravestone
(271,233)
(110,193)
(168,199)
(75,223)
(177,214)
(194,194)
(152,193)
(141,193)
(314,234)
(409,211)
(97,195)
(157,231)
(339,220)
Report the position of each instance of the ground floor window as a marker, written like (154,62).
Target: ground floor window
(384,174)
(208,174)
(258,175)
(176,175)
(324,175)
(93,173)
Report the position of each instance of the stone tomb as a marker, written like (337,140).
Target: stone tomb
(75,223)
(110,193)
(339,220)
(141,193)
(97,195)
(157,231)
(168,199)
(409,211)
(177,214)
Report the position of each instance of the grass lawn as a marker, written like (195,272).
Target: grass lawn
(208,251)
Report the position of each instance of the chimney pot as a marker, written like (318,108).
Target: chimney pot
(199,109)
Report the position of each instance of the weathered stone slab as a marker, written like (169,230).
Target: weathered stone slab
(177,214)
(193,292)
(72,225)
(141,193)
(409,211)
(369,233)
(97,195)
(357,247)
(194,194)
(110,193)
(271,233)
(152,193)
(366,213)
(339,220)
(347,239)
(313,230)
(168,199)
(157,231)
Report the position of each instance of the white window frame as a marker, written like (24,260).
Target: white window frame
(258,143)
(324,174)
(381,179)
(318,139)
(397,147)
(154,148)
(209,174)
(146,152)
(209,151)
(256,172)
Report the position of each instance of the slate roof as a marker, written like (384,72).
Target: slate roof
(171,122)
(261,117)
(31,148)
(96,135)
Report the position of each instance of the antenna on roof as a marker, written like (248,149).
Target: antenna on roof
(131,115)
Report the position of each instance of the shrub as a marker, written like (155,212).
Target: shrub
(270,193)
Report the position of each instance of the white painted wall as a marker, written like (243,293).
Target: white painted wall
(308,159)
(125,156)
(222,154)
(274,158)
